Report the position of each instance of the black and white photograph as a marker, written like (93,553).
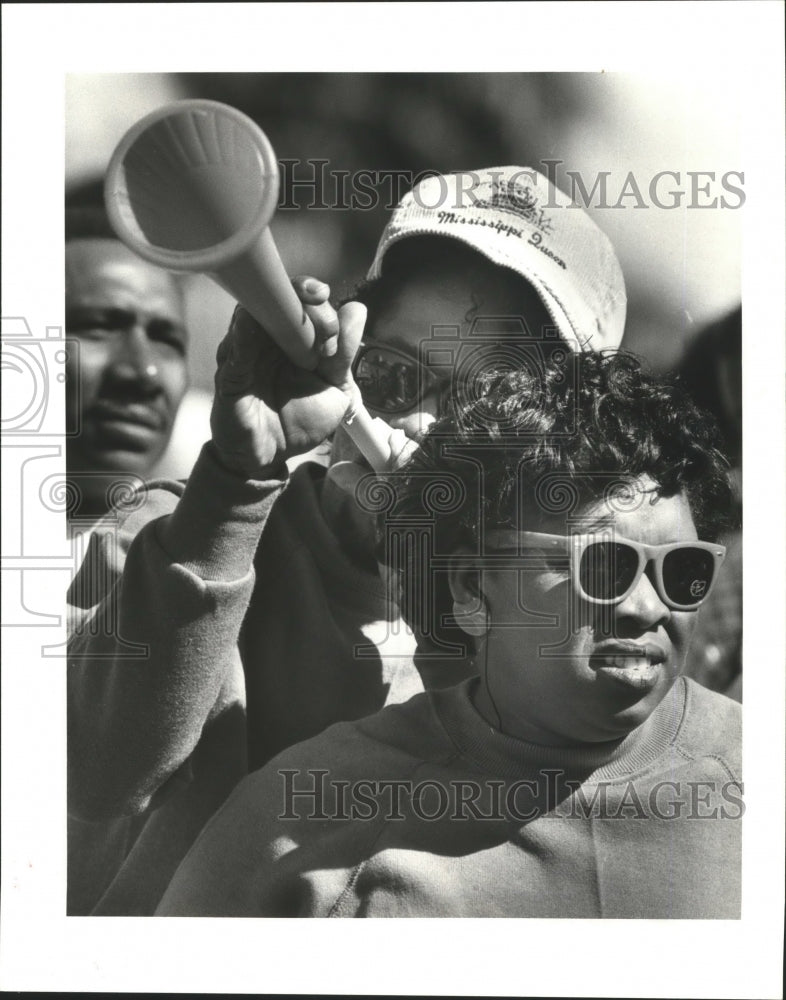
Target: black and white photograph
(376,385)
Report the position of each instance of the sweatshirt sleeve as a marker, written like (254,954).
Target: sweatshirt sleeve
(157,609)
(267,853)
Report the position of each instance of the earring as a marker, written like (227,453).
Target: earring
(473,622)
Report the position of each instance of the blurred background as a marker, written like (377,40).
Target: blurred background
(681,265)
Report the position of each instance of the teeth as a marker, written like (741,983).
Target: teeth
(636,671)
(629,662)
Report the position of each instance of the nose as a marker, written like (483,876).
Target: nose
(414,424)
(643,606)
(135,360)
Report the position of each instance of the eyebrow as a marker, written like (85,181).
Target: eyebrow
(597,524)
(511,537)
(117,316)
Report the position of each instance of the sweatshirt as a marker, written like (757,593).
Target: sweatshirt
(211,622)
(425,810)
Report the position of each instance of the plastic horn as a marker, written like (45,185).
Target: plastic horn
(193,187)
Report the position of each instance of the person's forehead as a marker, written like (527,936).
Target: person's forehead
(436,309)
(635,509)
(106,269)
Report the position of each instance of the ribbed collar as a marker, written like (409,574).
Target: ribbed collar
(507,756)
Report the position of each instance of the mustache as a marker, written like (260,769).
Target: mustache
(130,410)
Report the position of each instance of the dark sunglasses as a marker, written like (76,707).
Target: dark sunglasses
(606,570)
(390,380)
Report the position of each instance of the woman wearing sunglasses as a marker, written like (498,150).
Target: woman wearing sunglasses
(254,596)
(567,522)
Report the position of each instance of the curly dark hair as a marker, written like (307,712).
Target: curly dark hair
(573,428)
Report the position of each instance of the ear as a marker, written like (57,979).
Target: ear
(464,582)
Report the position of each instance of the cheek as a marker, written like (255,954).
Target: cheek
(549,595)
(534,610)
(84,372)
(415,423)
(680,630)
(174,381)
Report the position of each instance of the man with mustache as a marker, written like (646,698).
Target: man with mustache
(254,603)
(126,374)
(126,371)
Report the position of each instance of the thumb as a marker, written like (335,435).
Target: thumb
(352,321)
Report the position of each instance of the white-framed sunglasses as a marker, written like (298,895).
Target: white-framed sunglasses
(606,568)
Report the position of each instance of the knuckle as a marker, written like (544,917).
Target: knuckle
(325,320)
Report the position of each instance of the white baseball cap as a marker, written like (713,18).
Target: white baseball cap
(518,219)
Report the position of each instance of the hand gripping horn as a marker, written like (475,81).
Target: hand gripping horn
(192,187)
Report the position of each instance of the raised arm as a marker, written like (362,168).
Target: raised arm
(153,656)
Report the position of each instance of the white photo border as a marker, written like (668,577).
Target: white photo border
(41,949)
